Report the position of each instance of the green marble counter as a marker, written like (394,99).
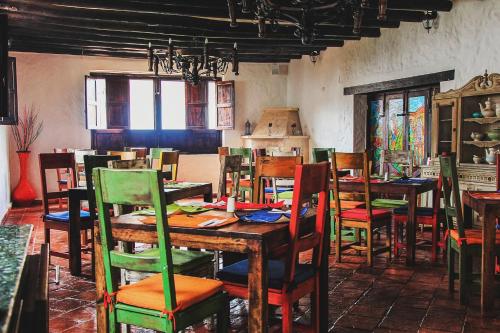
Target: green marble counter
(14,242)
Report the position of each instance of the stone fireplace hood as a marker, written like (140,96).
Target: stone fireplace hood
(284,134)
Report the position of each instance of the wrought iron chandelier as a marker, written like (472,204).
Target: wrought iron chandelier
(192,66)
(305,15)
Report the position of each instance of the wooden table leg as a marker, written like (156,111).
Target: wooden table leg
(411,227)
(323,278)
(75,246)
(257,287)
(208,196)
(488,262)
(100,284)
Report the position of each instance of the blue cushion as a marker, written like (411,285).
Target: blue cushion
(278,189)
(267,216)
(238,273)
(421,211)
(63,181)
(64,216)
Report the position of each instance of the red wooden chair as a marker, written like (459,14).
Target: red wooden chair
(288,280)
(365,218)
(425,216)
(63,176)
(59,220)
(498,189)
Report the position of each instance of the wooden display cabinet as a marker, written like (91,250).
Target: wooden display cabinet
(453,124)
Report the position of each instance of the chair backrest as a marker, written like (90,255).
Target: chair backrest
(155,155)
(247,158)
(62,172)
(90,162)
(358,162)
(258,152)
(322,154)
(451,191)
(133,188)
(498,172)
(223,151)
(273,167)
(54,161)
(310,180)
(230,165)
(169,164)
(140,152)
(80,153)
(396,159)
(283,153)
(128,164)
(124,155)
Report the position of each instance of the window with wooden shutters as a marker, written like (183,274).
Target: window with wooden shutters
(196,105)
(4,111)
(225,105)
(11,117)
(117,102)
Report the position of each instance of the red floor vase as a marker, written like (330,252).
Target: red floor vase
(23,194)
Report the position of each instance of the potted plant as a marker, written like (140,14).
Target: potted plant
(25,133)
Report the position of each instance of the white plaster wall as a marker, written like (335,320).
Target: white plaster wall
(54,84)
(255,89)
(4,171)
(467,40)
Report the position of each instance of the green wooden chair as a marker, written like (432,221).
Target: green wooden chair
(246,184)
(163,302)
(186,262)
(462,239)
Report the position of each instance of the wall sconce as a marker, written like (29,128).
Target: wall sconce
(430,20)
(314,56)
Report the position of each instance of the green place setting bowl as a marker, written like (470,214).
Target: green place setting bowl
(494,134)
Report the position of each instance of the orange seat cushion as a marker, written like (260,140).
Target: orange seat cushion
(473,236)
(245,183)
(148,293)
(348,204)
(361,214)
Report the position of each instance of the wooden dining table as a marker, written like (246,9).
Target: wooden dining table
(257,240)
(173,191)
(487,205)
(411,190)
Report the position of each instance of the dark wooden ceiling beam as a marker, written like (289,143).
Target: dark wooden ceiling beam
(195,25)
(158,38)
(37,48)
(21,39)
(439,5)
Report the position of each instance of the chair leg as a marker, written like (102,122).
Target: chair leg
(396,238)
(315,306)
(435,239)
(462,278)
(388,239)
(47,236)
(338,241)
(451,269)
(223,317)
(287,317)
(369,245)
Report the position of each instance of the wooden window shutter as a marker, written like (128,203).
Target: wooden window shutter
(4,111)
(11,117)
(196,105)
(225,104)
(117,102)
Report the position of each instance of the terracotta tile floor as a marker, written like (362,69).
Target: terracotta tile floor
(386,298)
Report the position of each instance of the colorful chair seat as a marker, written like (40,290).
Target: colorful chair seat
(278,190)
(149,294)
(64,216)
(245,183)
(472,236)
(388,203)
(348,204)
(238,273)
(361,215)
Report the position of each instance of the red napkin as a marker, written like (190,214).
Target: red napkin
(222,205)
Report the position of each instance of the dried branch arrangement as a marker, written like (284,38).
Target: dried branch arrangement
(27,130)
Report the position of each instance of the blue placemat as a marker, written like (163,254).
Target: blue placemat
(269,216)
(412,180)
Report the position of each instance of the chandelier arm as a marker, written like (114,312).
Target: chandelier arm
(273,5)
